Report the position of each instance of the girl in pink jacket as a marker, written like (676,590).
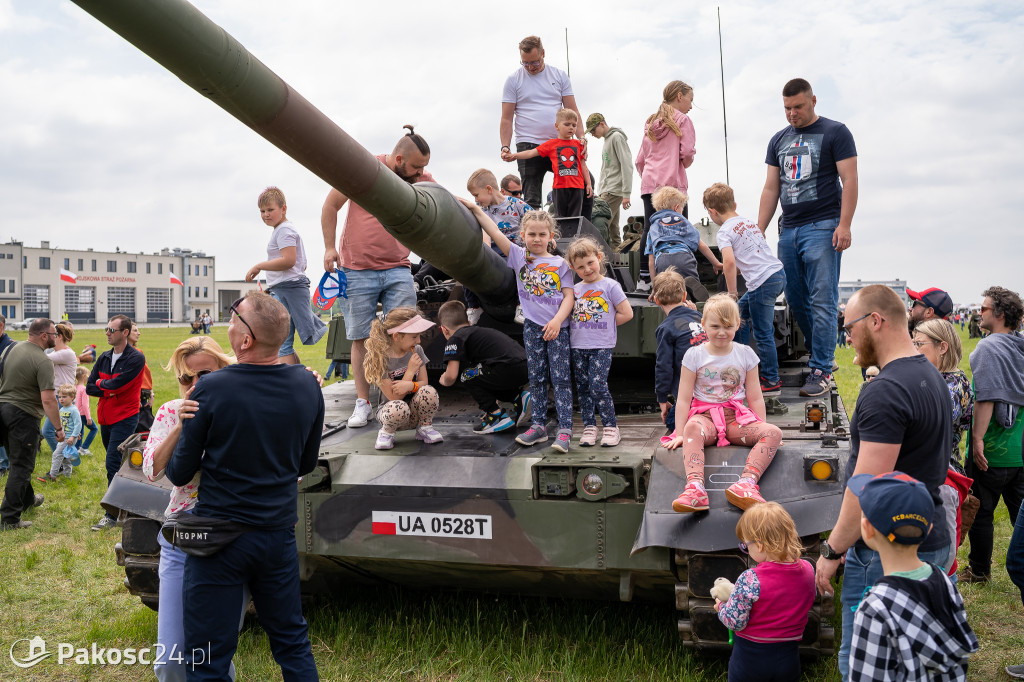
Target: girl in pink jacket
(667,150)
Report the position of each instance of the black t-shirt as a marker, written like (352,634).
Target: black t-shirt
(471,345)
(908,403)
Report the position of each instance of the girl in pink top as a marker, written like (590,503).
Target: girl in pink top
(82,403)
(667,149)
(715,378)
(769,604)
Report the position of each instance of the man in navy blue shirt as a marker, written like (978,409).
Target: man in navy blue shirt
(806,162)
(257,429)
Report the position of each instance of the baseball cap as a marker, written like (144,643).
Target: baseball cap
(936,299)
(593,120)
(892,500)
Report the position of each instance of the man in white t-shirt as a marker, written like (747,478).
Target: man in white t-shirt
(531,98)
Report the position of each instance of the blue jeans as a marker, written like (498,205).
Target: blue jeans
(112,436)
(169,628)
(93,430)
(49,433)
(812,286)
(5,463)
(392,288)
(213,590)
(1015,554)
(863,569)
(757,308)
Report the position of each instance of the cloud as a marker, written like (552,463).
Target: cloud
(105,148)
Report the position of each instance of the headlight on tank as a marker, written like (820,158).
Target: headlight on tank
(135,459)
(598,484)
(821,468)
(592,484)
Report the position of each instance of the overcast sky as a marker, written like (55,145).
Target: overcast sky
(103,148)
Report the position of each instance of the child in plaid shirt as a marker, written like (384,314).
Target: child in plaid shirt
(911,624)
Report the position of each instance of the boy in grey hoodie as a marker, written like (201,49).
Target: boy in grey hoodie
(616,182)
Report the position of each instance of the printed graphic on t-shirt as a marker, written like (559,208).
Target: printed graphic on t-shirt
(799,157)
(720,383)
(541,280)
(590,307)
(568,162)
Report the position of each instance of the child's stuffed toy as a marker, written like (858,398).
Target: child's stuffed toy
(722,589)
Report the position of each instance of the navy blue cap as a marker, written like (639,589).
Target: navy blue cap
(892,500)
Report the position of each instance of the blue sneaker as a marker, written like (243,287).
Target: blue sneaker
(817,383)
(535,434)
(495,423)
(521,407)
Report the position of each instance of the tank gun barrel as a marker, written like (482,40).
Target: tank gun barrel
(425,218)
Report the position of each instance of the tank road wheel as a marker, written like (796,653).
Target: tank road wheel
(139,553)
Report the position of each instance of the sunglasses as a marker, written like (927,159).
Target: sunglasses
(186,379)
(848,326)
(234,308)
(515,192)
(745,546)
(985,308)
(114,331)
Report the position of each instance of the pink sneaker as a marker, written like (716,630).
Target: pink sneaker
(743,495)
(693,499)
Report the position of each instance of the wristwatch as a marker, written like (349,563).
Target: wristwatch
(826,551)
(505,148)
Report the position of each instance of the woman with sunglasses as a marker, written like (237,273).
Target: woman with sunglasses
(65,361)
(938,341)
(194,358)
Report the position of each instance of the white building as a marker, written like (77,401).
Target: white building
(848,289)
(105,283)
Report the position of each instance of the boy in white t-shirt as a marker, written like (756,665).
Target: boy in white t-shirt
(286,274)
(745,249)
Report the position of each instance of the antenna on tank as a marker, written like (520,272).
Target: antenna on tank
(721,67)
(567,72)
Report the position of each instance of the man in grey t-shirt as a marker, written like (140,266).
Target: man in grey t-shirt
(26,394)
(531,98)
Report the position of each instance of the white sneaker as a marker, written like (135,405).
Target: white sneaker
(361,414)
(385,440)
(520,318)
(643,287)
(474,315)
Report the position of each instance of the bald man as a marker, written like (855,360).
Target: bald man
(249,466)
(375,263)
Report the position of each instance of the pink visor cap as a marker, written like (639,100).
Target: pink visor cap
(415,325)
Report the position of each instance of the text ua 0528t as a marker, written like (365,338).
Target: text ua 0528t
(432,525)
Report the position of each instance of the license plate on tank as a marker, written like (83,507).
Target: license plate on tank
(432,525)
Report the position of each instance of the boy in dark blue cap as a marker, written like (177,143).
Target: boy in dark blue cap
(911,624)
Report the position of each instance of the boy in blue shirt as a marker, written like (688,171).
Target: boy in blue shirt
(673,241)
(65,453)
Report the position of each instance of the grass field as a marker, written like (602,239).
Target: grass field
(58,580)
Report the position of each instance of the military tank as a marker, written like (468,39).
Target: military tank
(481,512)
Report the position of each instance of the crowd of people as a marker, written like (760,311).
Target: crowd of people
(902,518)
